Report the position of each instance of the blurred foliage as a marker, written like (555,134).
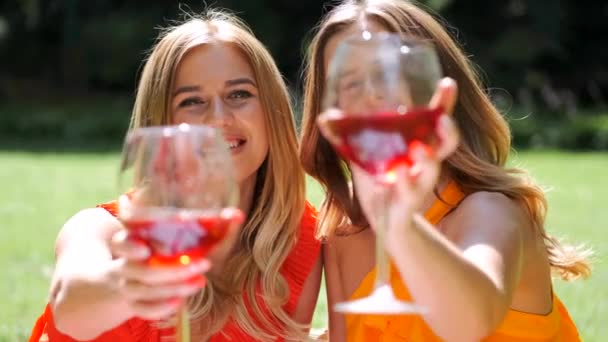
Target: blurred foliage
(84,123)
(583,133)
(548,54)
(543,56)
(543,52)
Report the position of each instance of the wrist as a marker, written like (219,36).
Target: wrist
(397,235)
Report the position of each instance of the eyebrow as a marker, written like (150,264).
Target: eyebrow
(229,83)
(355,71)
(346,73)
(242,80)
(186,89)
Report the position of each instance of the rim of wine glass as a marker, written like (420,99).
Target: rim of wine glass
(413,44)
(170,130)
(129,212)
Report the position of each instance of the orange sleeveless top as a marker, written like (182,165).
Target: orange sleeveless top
(295,270)
(516,327)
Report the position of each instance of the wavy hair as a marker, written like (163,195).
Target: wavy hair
(270,231)
(479,163)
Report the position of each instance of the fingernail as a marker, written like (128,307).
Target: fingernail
(191,288)
(446,82)
(175,302)
(200,266)
(199,282)
(236,216)
(143,252)
(414,172)
(204,264)
(419,150)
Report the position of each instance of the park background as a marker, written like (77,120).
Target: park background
(68,71)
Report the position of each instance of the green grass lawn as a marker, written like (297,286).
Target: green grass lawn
(41,190)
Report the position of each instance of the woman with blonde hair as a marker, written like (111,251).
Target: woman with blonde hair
(208,70)
(480,260)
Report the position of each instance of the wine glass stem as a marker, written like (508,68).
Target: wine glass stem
(183,324)
(382,259)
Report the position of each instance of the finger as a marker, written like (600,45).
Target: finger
(448,136)
(419,157)
(426,166)
(154,311)
(361,181)
(124,247)
(355,170)
(166,274)
(134,290)
(404,179)
(445,95)
(361,176)
(234,215)
(322,121)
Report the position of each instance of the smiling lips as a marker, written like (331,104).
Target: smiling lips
(235,143)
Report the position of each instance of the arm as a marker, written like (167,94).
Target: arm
(337,324)
(472,277)
(108,281)
(80,287)
(307,302)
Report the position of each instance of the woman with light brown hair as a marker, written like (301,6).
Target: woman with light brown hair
(480,260)
(209,70)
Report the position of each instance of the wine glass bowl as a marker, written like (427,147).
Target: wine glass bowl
(376,103)
(376,111)
(179,196)
(179,180)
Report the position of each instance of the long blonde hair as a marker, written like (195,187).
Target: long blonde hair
(271,228)
(477,165)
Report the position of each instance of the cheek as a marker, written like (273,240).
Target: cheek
(188,117)
(179,117)
(259,130)
(253,116)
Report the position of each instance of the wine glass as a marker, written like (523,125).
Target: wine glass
(375,111)
(179,196)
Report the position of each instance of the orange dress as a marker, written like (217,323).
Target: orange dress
(295,270)
(516,327)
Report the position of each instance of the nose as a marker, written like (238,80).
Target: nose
(375,95)
(220,114)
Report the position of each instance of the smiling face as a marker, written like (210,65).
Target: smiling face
(359,79)
(215,85)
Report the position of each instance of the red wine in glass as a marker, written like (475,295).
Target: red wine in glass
(380,142)
(179,239)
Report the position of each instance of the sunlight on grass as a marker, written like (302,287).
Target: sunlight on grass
(40,191)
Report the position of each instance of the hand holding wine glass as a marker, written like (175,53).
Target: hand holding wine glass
(412,184)
(179,202)
(379,114)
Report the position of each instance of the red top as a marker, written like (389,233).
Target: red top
(296,269)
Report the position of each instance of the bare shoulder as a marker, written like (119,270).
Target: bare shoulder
(491,212)
(347,238)
(92,225)
(494,202)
